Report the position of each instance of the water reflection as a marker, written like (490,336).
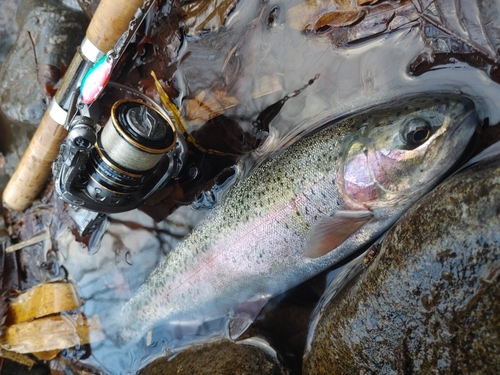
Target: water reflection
(284,59)
(108,276)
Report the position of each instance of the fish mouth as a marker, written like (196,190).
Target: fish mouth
(462,133)
(458,129)
(458,136)
(465,131)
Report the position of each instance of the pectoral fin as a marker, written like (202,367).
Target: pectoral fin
(331,231)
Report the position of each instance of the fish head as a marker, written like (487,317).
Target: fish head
(394,155)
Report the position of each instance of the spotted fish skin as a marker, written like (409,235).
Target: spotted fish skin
(252,245)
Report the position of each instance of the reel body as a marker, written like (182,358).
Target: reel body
(115,169)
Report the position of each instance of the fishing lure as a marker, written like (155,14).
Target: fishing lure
(96,79)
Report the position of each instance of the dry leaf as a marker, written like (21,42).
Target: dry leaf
(318,15)
(43,300)
(52,333)
(47,355)
(205,15)
(207,106)
(266,85)
(338,19)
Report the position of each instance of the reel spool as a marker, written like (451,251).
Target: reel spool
(127,150)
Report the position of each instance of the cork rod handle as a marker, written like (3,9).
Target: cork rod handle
(109,22)
(34,168)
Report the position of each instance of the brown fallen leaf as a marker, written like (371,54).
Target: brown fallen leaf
(42,300)
(206,106)
(319,15)
(203,15)
(382,17)
(54,332)
(338,19)
(47,355)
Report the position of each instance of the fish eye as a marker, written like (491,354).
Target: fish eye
(416,131)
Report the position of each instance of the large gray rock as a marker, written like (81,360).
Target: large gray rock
(430,301)
(8,28)
(56,31)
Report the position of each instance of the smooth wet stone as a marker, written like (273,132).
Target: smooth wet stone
(221,358)
(56,31)
(8,28)
(430,301)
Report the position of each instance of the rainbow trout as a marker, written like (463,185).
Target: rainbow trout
(316,203)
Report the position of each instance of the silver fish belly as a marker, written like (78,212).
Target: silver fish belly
(303,211)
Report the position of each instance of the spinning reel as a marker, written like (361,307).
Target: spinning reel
(116,168)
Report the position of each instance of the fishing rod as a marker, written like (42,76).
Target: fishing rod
(111,29)
(99,169)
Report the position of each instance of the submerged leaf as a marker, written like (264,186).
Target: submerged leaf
(42,300)
(179,121)
(52,333)
(205,15)
(226,135)
(320,15)
(338,19)
(472,22)
(209,105)
(265,85)
(47,355)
